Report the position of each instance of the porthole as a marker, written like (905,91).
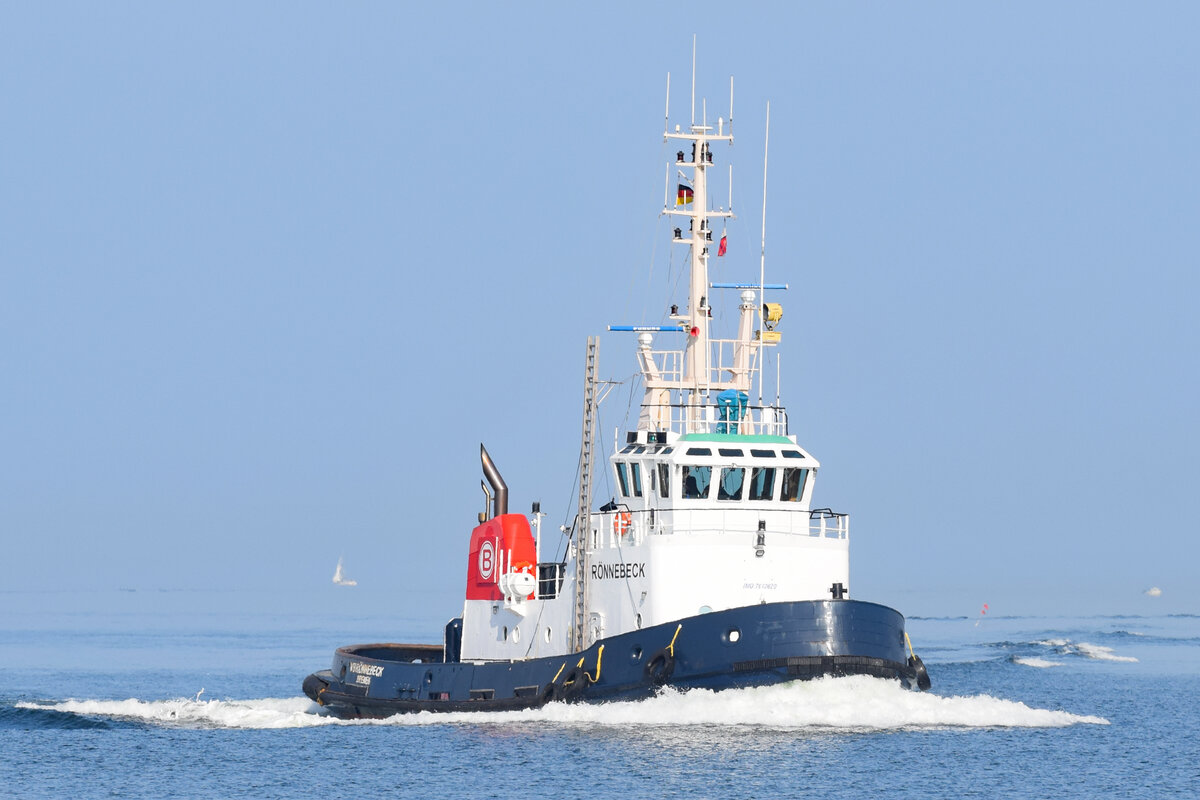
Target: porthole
(506,633)
(705,609)
(548,634)
(516,634)
(639,621)
(635,655)
(733,634)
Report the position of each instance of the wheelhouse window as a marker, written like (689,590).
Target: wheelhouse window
(792,454)
(664,480)
(637,479)
(730,451)
(763,453)
(794,479)
(699,451)
(623,478)
(696,481)
(730,487)
(762,483)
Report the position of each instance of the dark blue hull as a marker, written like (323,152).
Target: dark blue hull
(749,646)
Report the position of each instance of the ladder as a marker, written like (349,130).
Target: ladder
(583,524)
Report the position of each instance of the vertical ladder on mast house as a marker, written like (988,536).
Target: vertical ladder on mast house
(583,524)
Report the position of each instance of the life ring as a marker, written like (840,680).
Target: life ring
(622,521)
(660,667)
(573,683)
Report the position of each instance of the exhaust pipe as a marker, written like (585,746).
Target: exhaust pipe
(486,514)
(500,503)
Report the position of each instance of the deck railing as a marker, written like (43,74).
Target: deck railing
(684,418)
(819,523)
(723,358)
(550,579)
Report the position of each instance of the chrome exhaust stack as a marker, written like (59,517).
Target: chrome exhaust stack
(499,487)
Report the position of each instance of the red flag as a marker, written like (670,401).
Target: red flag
(721,247)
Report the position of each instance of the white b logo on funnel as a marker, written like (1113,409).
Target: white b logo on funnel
(487,560)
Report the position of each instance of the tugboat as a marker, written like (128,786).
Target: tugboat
(710,569)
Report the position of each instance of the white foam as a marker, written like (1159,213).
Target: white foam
(1094,651)
(1037,662)
(1101,653)
(848,704)
(267,713)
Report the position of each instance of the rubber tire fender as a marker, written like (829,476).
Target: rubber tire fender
(921,675)
(573,683)
(660,667)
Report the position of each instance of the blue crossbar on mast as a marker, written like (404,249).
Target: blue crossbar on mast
(747,286)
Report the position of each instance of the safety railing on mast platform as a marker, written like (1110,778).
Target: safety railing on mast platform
(684,418)
(723,355)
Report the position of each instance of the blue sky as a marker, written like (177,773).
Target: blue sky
(269,273)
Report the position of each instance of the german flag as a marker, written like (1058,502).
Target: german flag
(685,195)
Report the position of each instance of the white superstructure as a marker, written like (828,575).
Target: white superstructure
(714,504)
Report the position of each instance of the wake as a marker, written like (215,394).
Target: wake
(1034,661)
(850,704)
(1096,652)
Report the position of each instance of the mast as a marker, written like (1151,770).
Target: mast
(697,368)
(680,381)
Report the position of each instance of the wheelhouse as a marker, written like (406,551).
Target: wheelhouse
(722,470)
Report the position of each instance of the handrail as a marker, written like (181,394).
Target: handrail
(669,364)
(683,418)
(819,523)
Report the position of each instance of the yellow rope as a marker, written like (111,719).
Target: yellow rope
(671,646)
(560,669)
(599,656)
(910,650)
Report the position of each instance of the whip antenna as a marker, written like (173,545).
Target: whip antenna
(762,257)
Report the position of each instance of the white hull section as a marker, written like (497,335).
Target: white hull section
(637,580)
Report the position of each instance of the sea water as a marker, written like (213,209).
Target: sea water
(191,695)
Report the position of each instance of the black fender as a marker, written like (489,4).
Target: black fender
(574,683)
(660,667)
(917,672)
(314,685)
